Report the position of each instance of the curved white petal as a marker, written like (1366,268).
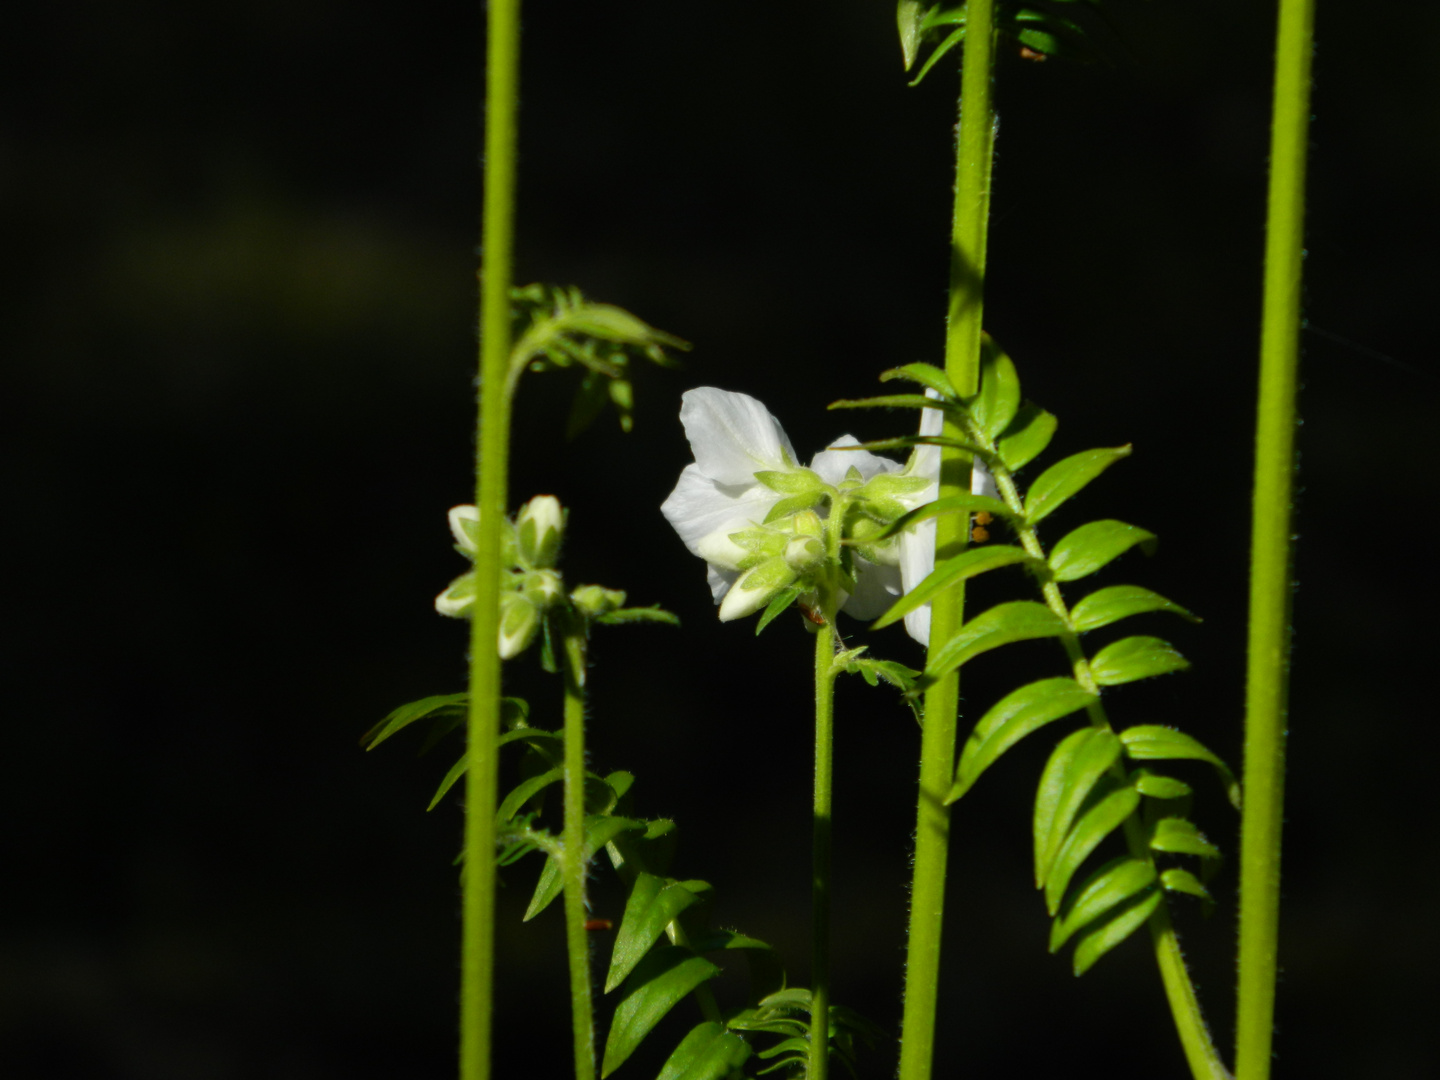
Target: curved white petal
(720,581)
(926,459)
(981,480)
(876,588)
(833,464)
(699,506)
(917,560)
(732,435)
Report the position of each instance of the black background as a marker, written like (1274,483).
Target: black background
(238,354)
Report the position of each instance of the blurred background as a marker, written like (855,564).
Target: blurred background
(238,341)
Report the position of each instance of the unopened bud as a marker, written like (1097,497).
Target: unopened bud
(539,527)
(596,600)
(755,589)
(519,621)
(804,552)
(464,524)
(808,523)
(458,598)
(543,588)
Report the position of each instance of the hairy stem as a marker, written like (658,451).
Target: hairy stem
(969,228)
(1267,673)
(573,862)
(478,906)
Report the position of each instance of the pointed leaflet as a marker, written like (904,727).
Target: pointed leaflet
(999,398)
(1178,880)
(709,1052)
(1091,546)
(1098,822)
(1180,837)
(767,973)
(1019,620)
(1113,930)
(1108,605)
(951,504)
(1135,658)
(599,831)
(660,981)
(1026,437)
(1063,479)
(456,771)
(1012,718)
(437,705)
(653,904)
(927,375)
(1072,771)
(967,564)
(1152,742)
(782,600)
(1111,885)
(1159,787)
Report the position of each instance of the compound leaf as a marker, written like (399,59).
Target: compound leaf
(1072,771)
(1012,718)
(656,985)
(1096,823)
(1153,742)
(653,904)
(1108,887)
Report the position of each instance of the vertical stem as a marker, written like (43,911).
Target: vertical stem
(573,865)
(969,228)
(1267,679)
(819,1063)
(478,906)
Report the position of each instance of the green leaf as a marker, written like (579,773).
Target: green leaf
(709,1052)
(456,771)
(660,981)
(1065,478)
(524,792)
(1099,821)
(1116,602)
(792,504)
(653,904)
(967,564)
(940,50)
(1111,885)
(1019,620)
(1026,437)
(436,705)
(1088,548)
(897,401)
(908,15)
(782,600)
(599,831)
(1135,658)
(1177,880)
(927,375)
(1152,742)
(590,399)
(652,614)
(1155,786)
(951,504)
(1181,837)
(1097,942)
(1012,718)
(1074,768)
(791,481)
(999,398)
(767,973)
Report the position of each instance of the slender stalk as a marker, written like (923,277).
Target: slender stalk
(573,862)
(1267,681)
(969,229)
(819,1063)
(478,906)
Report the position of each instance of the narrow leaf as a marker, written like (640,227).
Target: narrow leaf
(405,715)
(1019,620)
(1102,939)
(999,398)
(1091,546)
(523,793)
(1135,658)
(1152,742)
(1181,837)
(1090,761)
(927,375)
(653,904)
(1110,885)
(1012,718)
(1116,602)
(940,50)
(1159,787)
(709,1052)
(1047,797)
(599,831)
(1098,822)
(951,504)
(782,600)
(968,564)
(661,980)
(1026,437)
(896,401)
(1177,880)
(1063,479)
(456,771)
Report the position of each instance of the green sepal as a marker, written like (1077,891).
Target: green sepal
(1177,879)
(658,983)
(1018,620)
(1026,437)
(1154,786)
(995,406)
(1180,837)
(599,831)
(782,600)
(927,375)
(1074,768)
(790,481)
(1097,942)
(1116,602)
(1067,477)
(653,904)
(1012,718)
(967,564)
(1135,658)
(951,504)
(1153,742)
(1102,818)
(793,504)
(1108,887)
(1085,550)
(708,1052)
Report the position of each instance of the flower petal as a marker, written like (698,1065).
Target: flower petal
(917,559)
(876,588)
(700,506)
(832,464)
(981,480)
(733,436)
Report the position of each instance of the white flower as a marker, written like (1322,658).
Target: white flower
(733,437)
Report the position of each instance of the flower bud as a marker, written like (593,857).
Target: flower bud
(519,621)
(718,549)
(464,522)
(808,523)
(456,601)
(538,527)
(804,552)
(755,589)
(543,588)
(596,600)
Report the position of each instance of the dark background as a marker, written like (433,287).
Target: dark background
(238,358)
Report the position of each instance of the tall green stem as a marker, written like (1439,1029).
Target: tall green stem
(969,228)
(819,1063)
(1267,681)
(478,908)
(573,861)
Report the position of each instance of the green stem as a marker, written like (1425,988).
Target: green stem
(573,862)
(969,229)
(478,905)
(1267,681)
(819,1063)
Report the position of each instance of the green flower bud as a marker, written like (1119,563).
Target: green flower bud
(538,528)
(808,523)
(519,622)
(458,598)
(596,600)
(755,588)
(543,588)
(804,552)
(464,525)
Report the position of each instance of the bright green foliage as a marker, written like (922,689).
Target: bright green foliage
(1152,742)
(1080,553)
(786,1012)
(1040,27)
(1135,658)
(966,565)
(662,980)
(1105,815)
(1018,620)
(1064,479)
(709,1052)
(1027,437)
(1105,606)
(1011,719)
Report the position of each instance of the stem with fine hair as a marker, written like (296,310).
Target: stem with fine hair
(572,860)
(969,228)
(477,962)
(1268,668)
